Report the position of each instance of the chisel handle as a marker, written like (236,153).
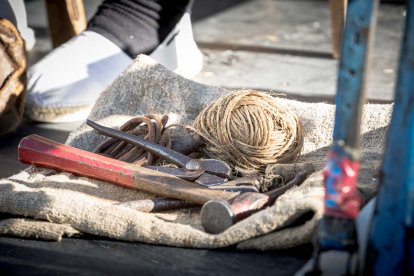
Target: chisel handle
(40,151)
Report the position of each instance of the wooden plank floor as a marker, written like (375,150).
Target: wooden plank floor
(97,256)
(285,46)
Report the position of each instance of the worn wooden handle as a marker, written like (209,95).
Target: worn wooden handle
(39,151)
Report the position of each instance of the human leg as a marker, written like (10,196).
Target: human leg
(64,85)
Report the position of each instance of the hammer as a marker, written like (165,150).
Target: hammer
(217,215)
(39,151)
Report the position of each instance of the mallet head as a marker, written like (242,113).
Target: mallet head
(217,216)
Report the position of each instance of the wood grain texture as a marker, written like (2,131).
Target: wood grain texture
(66,19)
(337,12)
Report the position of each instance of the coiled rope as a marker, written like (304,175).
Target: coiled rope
(249,130)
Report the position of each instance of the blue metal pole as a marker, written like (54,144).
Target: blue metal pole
(337,227)
(341,200)
(359,26)
(391,245)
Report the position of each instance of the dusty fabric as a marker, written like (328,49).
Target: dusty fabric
(36,229)
(89,206)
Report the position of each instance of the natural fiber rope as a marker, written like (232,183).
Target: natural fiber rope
(249,130)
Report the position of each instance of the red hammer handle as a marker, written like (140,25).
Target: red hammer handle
(39,151)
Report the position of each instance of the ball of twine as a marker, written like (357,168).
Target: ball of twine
(249,130)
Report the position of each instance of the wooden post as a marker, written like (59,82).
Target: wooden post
(338,12)
(66,19)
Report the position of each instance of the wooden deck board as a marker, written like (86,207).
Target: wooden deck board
(274,47)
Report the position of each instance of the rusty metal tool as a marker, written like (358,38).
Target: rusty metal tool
(197,176)
(168,204)
(186,144)
(217,215)
(156,204)
(240,185)
(210,166)
(39,151)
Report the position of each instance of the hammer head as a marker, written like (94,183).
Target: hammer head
(217,216)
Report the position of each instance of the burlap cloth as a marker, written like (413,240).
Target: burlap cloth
(46,204)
